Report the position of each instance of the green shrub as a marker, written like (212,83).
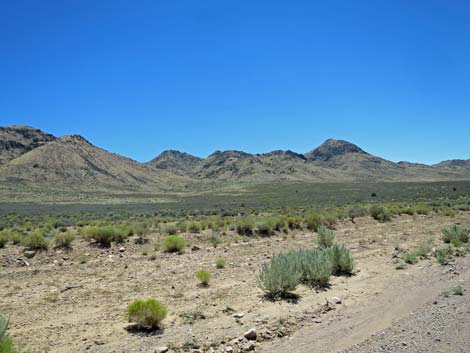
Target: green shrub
(448,212)
(6,344)
(173,243)
(279,276)
(204,277)
(147,313)
(35,241)
(443,254)
(341,259)
(455,232)
(220,263)
(315,266)
(64,240)
(313,221)
(4,323)
(3,240)
(294,222)
(104,235)
(423,250)
(195,227)
(410,258)
(245,227)
(171,230)
(215,239)
(264,229)
(357,211)
(325,237)
(380,213)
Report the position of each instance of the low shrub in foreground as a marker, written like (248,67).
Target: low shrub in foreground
(6,344)
(279,276)
(325,237)
(35,241)
(315,266)
(147,313)
(204,277)
(173,243)
(341,259)
(455,232)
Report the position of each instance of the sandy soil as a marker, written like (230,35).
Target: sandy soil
(59,304)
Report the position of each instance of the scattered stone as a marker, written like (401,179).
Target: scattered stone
(336,300)
(161,350)
(238,315)
(30,254)
(251,334)
(122,249)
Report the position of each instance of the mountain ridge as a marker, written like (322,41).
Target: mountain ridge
(73,160)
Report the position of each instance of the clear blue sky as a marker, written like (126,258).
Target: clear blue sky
(139,77)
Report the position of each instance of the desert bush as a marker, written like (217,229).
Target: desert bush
(410,258)
(195,227)
(455,232)
(147,313)
(35,241)
(423,250)
(15,237)
(220,263)
(204,277)
(64,240)
(356,212)
(448,212)
(173,243)
(315,266)
(341,260)
(245,227)
(215,238)
(314,221)
(264,229)
(325,236)
(294,222)
(279,276)
(6,344)
(104,235)
(380,213)
(3,240)
(171,230)
(443,254)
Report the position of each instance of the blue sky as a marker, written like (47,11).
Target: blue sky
(139,77)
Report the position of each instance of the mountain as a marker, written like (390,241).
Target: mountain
(33,159)
(74,162)
(17,140)
(454,164)
(175,161)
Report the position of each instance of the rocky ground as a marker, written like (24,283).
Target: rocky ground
(76,301)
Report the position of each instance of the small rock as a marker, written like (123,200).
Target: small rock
(336,300)
(122,249)
(249,347)
(238,315)
(30,254)
(161,350)
(251,334)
